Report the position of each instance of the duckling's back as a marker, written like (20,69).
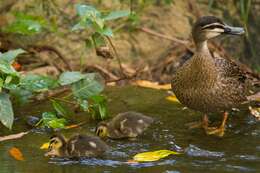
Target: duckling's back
(88,146)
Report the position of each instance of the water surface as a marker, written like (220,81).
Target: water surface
(237,151)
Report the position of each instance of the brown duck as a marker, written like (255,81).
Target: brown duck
(212,84)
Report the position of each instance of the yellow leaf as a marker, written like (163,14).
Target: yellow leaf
(172,98)
(153,155)
(16,154)
(153,85)
(45,146)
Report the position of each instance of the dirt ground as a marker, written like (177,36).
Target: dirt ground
(140,51)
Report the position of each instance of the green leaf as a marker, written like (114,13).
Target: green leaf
(83,104)
(67,78)
(99,106)
(87,87)
(50,119)
(87,10)
(57,123)
(88,43)
(98,39)
(38,83)
(26,24)
(21,95)
(99,22)
(11,55)
(7,68)
(8,79)
(117,14)
(60,108)
(106,31)
(6,110)
(1,83)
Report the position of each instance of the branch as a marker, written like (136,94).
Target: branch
(52,49)
(149,31)
(117,56)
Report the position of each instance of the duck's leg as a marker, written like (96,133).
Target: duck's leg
(218,131)
(198,124)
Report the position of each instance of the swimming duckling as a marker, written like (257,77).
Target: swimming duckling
(124,125)
(212,84)
(76,146)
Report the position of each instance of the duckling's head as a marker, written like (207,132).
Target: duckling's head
(208,27)
(57,146)
(102,129)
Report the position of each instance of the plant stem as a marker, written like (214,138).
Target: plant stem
(117,56)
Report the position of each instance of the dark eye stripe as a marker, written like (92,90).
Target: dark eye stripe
(213,27)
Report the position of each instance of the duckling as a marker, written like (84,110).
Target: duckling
(124,125)
(76,146)
(212,84)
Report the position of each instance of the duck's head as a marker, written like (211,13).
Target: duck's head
(208,27)
(102,129)
(57,146)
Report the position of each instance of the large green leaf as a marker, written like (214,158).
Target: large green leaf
(6,110)
(67,78)
(87,87)
(60,108)
(117,14)
(10,55)
(38,83)
(87,10)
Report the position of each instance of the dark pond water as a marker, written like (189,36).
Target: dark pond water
(237,151)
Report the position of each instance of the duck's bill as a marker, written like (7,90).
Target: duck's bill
(233,30)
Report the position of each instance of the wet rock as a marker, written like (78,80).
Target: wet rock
(32,120)
(194,151)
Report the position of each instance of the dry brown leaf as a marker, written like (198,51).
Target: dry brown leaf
(153,85)
(13,136)
(16,154)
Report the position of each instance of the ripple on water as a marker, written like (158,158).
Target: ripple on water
(86,161)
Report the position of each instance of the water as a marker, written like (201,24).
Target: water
(237,151)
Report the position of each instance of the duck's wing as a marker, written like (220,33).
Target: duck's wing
(234,71)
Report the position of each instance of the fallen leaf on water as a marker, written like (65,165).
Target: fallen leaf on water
(45,146)
(172,98)
(153,85)
(255,112)
(153,155)
(13,136)
(16,154)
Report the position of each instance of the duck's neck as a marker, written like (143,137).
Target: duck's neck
(202,49)
(203,65)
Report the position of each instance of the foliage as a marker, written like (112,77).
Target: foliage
(28,25)
(96,21)
(51,120)
(22,87)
